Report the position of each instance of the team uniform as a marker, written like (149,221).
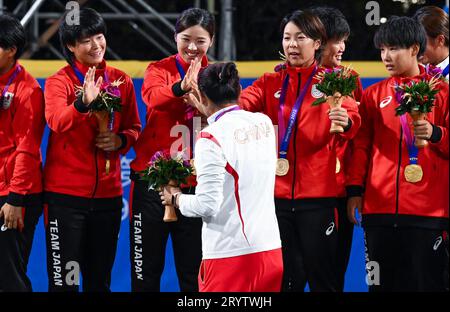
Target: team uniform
(404,222)
(21,128)
(444,66)
(83,202)
(305,197)
(235,163)
(167,117)
(345,233)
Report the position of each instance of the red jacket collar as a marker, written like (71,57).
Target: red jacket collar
(422,75)
(185,65)
(5,77)
(83,68)
(292,70)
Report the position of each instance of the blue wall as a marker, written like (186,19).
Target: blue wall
(355,278)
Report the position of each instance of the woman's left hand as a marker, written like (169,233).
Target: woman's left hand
(339,115)
(108,141)
(166,194)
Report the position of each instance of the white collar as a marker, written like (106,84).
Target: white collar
(443,64)
(212,118)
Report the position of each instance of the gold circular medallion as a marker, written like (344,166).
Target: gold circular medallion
(413,173)
(193,167)
(338,165)
(282,167)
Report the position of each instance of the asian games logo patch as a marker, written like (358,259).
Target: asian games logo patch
(6,100)
(316,93)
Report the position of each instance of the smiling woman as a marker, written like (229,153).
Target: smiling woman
(167,84)
(83,189)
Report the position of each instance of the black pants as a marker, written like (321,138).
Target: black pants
(15,247)
(345,238)
(409,259)
(309,240)
(81,235)
(148,239)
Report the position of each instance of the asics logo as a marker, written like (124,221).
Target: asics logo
(4,228)
(329,229)
(277,94)
(437,243)
(386,101)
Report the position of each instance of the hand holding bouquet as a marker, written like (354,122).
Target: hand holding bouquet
(104,99)
(166,170)
(335,84)
(416,99)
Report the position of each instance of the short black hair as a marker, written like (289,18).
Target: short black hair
(336,26)
(220,83)
(193,17)
(12,34)
(402,32)
(91,23)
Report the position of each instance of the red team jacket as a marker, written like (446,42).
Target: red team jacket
(381,155)
(164,110)
(21,128)
(311,152)
(74,166)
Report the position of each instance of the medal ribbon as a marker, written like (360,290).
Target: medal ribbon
(10,80)
(413,150)
(234,108)
(286,133)
(445,71)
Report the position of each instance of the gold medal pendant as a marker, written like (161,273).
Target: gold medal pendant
(413,173)
(282,167)
(338,165)
(193,167)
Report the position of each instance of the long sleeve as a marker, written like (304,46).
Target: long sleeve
(157,89)
(60,116)
(252,97)
(28,127)
(352,109)
(210,166)
(362,145)
(442,122)
(131,124)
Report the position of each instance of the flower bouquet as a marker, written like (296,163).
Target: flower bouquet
(417,99)
(165,170)
(335,84)
(103,107)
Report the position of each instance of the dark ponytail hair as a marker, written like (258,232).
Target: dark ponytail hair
(220,83)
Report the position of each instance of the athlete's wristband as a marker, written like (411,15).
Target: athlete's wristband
(174,199)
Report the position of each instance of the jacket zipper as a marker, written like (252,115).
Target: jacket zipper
(295,139)
(96,173)
(398,176)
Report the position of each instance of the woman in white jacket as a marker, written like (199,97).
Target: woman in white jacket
(235,163)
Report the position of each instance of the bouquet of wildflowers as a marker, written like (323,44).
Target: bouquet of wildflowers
(417,99)
(103,107)
(335,84)
(162,170)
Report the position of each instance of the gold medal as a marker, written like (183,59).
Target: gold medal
(413,173)
(338,165)
(282,167)
(193,167)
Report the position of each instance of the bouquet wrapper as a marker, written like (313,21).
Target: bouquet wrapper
(335,101)
(169,210)
(103,119)
(420,143)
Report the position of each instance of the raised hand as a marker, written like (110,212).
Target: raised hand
(191,75)
(91,89)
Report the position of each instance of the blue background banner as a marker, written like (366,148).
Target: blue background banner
(121,280)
